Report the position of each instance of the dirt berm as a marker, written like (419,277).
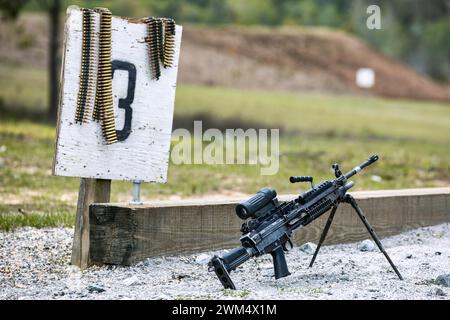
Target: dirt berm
(316,60)
(305,60)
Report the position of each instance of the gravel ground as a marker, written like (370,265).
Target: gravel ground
(34,264)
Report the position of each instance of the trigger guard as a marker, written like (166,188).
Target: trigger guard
(291,245)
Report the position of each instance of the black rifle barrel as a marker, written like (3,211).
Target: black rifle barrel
(366,163)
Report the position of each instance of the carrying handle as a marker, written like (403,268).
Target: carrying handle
(295,179)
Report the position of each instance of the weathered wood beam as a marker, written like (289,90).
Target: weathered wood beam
(126,234)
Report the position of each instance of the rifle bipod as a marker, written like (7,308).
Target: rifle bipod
(349,199)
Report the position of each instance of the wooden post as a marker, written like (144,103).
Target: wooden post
(91,191)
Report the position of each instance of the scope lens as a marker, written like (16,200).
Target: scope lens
(251,207)
(242,212)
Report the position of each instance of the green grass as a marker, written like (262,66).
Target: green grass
(38,220)
(412,138)
(357,117)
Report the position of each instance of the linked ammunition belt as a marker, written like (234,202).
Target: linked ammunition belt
(86,91)
(169,42)
(161,44)
(96,68)
(104,111)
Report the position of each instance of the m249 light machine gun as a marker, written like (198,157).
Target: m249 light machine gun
(270,225)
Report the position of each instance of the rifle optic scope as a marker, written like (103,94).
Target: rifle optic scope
(260,202)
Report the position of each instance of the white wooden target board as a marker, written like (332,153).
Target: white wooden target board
(144,154)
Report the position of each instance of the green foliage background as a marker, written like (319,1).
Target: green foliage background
(415,31)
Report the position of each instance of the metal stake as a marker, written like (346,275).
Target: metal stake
(136,192)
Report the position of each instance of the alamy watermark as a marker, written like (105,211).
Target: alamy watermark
(373,22)
(234,146)
(238,146)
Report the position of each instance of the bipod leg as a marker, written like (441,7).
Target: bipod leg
(349,199)
(324,234)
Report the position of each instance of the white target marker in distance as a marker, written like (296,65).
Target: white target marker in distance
(365,78)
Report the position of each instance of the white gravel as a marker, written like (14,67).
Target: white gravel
(34,264)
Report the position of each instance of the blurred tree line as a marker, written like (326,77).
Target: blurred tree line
(415,31)
(11,10)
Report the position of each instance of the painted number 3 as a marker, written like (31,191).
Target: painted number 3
(125,103)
